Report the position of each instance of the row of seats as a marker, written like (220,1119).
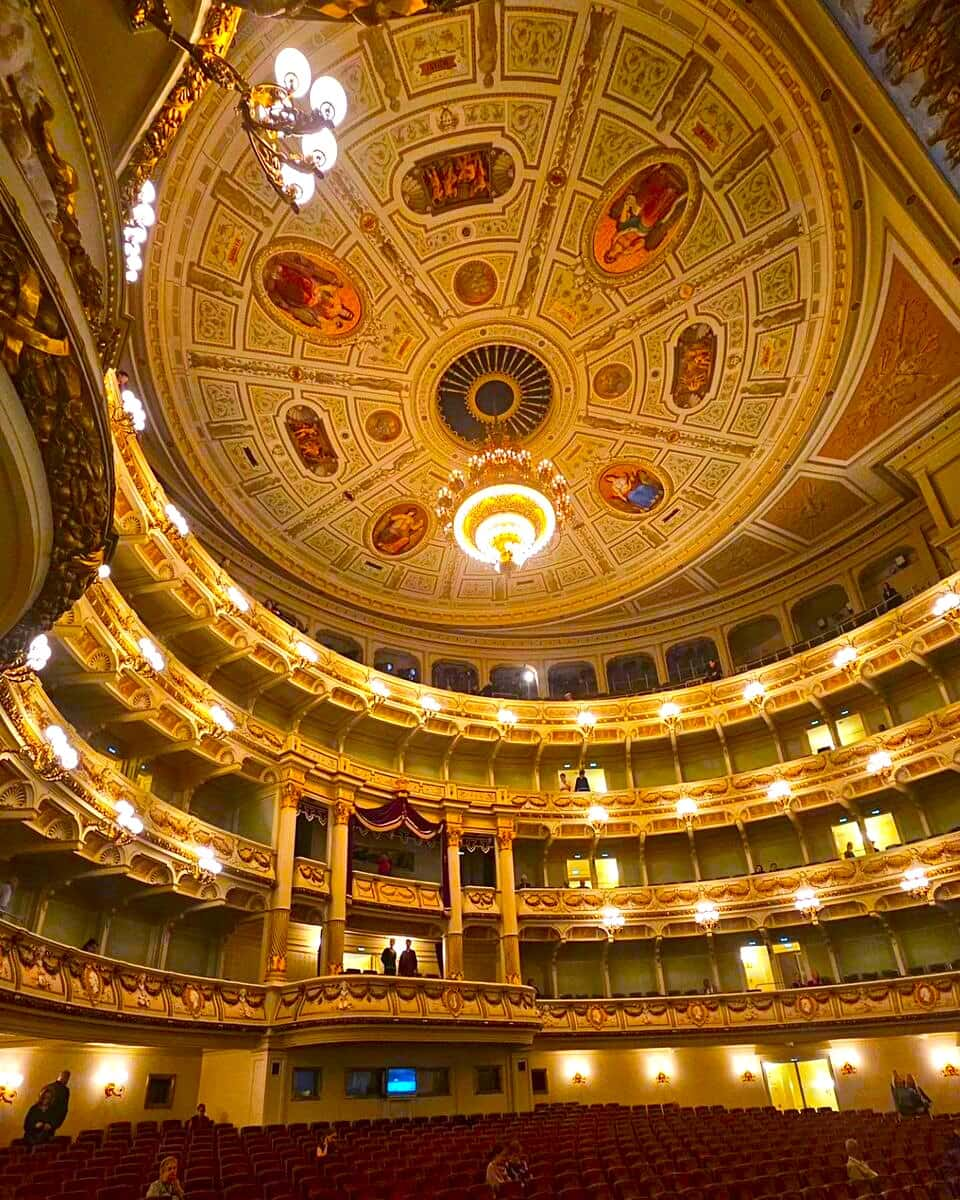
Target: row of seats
(601,1152)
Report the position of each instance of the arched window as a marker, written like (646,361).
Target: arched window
(340,644)
(576,679)
(631,673)
(455,677)
(520,683)
(690,660)
(755,639)
(399,663)
(822,613)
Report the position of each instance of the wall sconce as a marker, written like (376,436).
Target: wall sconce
(950,1071)
(847,1068)
(661,1077)
(8,1087)
(579,1078)
(114,1091)
(748,1077)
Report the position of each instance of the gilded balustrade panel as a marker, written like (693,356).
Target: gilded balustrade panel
(390,892)
(310,877)
(44,974)
(481,901)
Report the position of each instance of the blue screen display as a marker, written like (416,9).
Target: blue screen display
(401,1081)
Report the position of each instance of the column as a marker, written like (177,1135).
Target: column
(337,910)
(694,859)
(658,966)
(894,940)
(605,967)
(554,973)
(714,965)
(644,876)
(745,842)
(831,954)
(453,943)
(509,929)
(277,919)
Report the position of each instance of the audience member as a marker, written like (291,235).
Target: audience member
(496,1175)
(919,1099)
(7,889)
(774,867)
(59,1092)
(518,1170)
(384,864)
(388,956)
(408,961)
(200,1120)
(849,852)
(857,1169)
(38,1123)
(708,987)
(325,1144)
(167,1184)
(565,785)
(713,671)
(91,946)
(583,783)
(758,869)
(814,980)
(524,881)
(532,983)
(890,594)
(902,1103)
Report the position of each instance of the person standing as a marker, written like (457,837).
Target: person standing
(7,889)
(408,960)
(59,1092)
(583,783)
(200,1121)
(920,1102)
(388,958)
(38,1123)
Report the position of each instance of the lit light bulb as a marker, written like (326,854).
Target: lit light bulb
(687,808)
(124,808)
(669,711)
(322,148)
(148,193)
(208,862)
(945,603)
(506,716)
(778,790)
(222,717)
(38,653)
(304,185)
(238,599)
(151,654)
(431,703)
(292,71)
(143,214)
(878,761)
(176,519)
(586,719)
(844,657)
(379,688)
(754,691)
(307,652)
(328,97)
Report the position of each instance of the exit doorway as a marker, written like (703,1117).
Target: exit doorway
(801,1083)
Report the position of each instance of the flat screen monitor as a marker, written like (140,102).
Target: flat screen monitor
(401,1081)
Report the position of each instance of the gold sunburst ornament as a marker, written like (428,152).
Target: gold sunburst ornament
(503,509)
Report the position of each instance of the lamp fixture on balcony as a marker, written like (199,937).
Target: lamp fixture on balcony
(307,652)
(65,754)
(586,720)
(807,903)
(706,914)
(38,652)
(612,920)
(754,693)
(846,656)
(208,864)
(748,1077)
(669,712)
(152,656)
(127,820)
(506,717)
(878,762)
(379,689)
(431,704)
(597,818)
(503,510)
(293,141)
(661,1077)
(950,1071)
(687,809)
(176,519)
(846,1069)
(915,882)
(133,407)
(946,603)
(779,791)
(237,598)
(9,1085)
(140,220)
(222,718)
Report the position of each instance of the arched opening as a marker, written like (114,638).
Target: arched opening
(631,673)
(575,680)
(340,644)
(899,569)
(455,677)
(515,682)
(822,613)
(755,639)
(691,660)
(399,663)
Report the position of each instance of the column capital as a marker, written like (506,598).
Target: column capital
(505,838)
(454,834)
(342,812)
(291,794)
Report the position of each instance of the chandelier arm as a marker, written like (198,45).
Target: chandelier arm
(271,163)
(212,66)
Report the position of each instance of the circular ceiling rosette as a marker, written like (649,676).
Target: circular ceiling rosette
(494,385)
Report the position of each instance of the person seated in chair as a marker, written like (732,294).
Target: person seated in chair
(857,1169)
(199,1120)
(167,1184)
(496,1174)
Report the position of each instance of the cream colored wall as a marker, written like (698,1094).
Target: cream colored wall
(713,1074)
(233,1085)
(91,1067)
(335,1061)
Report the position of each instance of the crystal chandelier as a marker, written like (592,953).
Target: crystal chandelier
(293,140)
(612,920)
(915,882)
(706,914)
(503,510)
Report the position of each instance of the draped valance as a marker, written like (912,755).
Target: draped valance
(399,813)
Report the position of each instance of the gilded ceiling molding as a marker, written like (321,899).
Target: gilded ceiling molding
(67,418)
(219,30)
(366,12)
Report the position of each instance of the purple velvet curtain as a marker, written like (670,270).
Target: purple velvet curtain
(395,814)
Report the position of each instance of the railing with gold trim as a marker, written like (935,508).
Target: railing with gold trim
(390,891)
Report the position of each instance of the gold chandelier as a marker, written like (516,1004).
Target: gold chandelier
(503,510)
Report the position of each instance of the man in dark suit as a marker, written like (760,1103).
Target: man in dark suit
(408,960)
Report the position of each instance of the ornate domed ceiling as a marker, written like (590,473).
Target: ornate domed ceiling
(623,234)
